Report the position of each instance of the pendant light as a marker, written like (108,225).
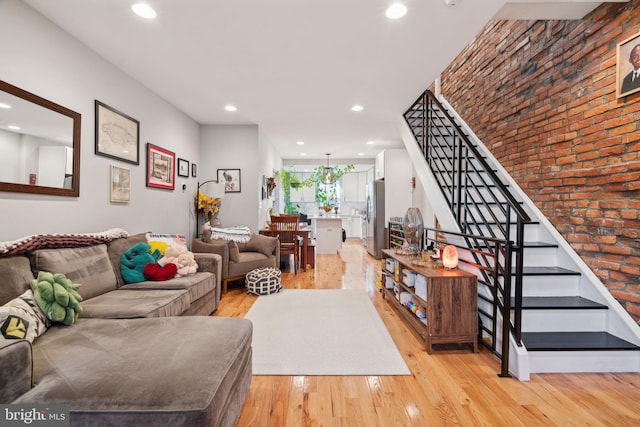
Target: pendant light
(328,175)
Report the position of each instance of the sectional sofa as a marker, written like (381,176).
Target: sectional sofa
(142,354)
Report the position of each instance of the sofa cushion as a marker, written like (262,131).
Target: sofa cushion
(234,252)
(117,247)
(180,371)
(197,285)
(16,369)
(250,261)
(263,244)
(88,266)
(128,304)
(16,275)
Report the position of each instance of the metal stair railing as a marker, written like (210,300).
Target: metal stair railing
(482,206)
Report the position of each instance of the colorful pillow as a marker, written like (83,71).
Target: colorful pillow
(21,318)
(57,297)
(158,273)
(162,241)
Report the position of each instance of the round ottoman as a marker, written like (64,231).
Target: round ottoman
(263,281)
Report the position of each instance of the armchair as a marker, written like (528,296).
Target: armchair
(240,258)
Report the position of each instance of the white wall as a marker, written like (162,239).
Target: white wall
(233,147)
(39,57)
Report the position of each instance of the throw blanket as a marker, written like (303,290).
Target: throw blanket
(237,234)
(54,241)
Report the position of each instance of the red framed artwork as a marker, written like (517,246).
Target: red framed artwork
(160,167)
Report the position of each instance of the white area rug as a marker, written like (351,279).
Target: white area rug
(321,332)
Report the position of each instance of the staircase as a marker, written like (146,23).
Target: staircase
(560,317)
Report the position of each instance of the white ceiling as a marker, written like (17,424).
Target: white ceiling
(293,67)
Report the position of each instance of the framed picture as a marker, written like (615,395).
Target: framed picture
(119,184)
(117,135)
(160,167)
(231,179)
(183,167)
(628,66)
(194,170)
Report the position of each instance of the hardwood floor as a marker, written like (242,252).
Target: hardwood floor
(453,386)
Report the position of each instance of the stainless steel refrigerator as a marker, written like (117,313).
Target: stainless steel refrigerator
(375,218)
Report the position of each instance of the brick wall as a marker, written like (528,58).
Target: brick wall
(541,95)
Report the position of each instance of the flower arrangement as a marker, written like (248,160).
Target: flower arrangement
(207,205)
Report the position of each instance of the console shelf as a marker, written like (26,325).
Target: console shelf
(447,301)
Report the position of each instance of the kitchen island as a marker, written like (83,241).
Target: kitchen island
(328,233)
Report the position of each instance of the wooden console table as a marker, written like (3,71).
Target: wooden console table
(450,302)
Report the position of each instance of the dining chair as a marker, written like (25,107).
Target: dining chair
(285,228)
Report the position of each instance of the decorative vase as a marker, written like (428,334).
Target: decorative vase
(413,226)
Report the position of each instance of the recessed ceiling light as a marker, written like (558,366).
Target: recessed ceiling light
(357,108)
(396,11)
(3,105)
(13,127)
(143,10)
(300,142)
(230,108)
(303,154)
(360,154)
(370,142)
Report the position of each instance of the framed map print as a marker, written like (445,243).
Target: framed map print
(117,135)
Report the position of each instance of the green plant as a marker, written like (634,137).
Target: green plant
(288,179)
(325,193)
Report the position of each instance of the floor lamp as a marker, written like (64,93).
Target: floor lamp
(214,189)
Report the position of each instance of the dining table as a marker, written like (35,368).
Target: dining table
(305,233)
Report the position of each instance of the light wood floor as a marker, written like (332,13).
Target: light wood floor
(453,386)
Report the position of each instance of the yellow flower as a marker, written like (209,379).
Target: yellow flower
(206,204)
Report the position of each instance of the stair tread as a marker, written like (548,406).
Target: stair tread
(539,245)
(559,303)
(548,271)
(574,341)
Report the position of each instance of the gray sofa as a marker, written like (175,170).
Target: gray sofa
(134,357)
(240,258)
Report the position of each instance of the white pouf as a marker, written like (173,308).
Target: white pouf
(263,281)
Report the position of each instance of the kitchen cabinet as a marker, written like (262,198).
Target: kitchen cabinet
(440,306)
(328,234)
(354,186)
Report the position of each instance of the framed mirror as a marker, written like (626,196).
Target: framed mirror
(39,144)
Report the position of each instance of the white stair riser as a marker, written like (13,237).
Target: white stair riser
(550,286)
(584,361)
(564,320)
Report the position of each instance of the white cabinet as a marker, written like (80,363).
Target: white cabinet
(328,232)
(354,186)
(356,227)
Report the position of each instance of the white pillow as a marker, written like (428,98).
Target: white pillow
(21,318)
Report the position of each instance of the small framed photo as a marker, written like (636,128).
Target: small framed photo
(194,170)
(183,167)
(117,135)
(160,167)
(628,66)
(119,184)
(231,180)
